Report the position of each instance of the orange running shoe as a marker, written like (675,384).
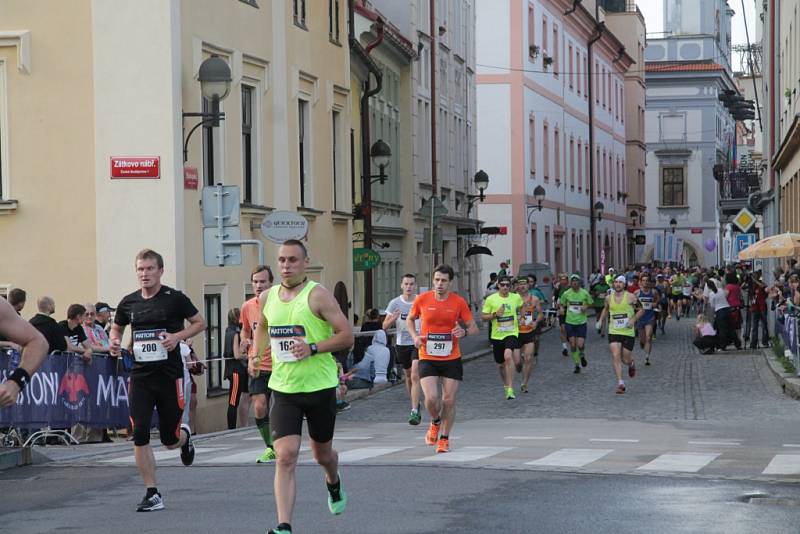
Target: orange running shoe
(433,434)
(443,445)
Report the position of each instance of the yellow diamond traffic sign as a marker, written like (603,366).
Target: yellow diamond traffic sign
(744,220)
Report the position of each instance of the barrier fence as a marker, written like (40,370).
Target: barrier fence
(787,330)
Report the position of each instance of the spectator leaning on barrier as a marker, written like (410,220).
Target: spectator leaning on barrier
(72,330)
(48,326)
(103,317)
(95,334)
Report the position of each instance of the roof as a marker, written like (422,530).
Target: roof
(683,66)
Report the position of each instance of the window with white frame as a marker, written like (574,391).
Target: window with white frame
(248,143)
(304,152)
(673,186)
(336,157)
(5,178)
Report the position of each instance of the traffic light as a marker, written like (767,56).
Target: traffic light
(495,230)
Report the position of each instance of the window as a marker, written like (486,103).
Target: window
(585,78)
(557,154)
(580,165)
(4,166)
(603,87)
(531,32)
(544,35)
(247,142)
(547,244)
(333,20)
(336,156)
(578,74)
(546,152)
(534,239)
(555,51)
(572,163)
(303,150)
(299,12)
(571,67)
(672,187)
(532,145)
(595,77)
(213,308)
(586,162)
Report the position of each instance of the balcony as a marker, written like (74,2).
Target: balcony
(620,6)
(736,186)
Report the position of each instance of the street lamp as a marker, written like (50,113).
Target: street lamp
(481,182)
(598,209)
(538,194)
(380,154)
(215,84)
(634,218)
(672,224)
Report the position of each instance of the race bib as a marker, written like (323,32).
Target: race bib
(440,345)
(505,324)
(620,321)
(528,319)
(147,346)
(401,323)
(647,305)
(576,308)
(281,340)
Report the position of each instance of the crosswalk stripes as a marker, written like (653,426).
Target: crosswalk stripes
(685,462)
(571,457)
(784,464)
(467,454)
(162,455)
(364,453)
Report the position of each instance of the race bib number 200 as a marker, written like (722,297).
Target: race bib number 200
(282,340)
(147,346)
(440,345)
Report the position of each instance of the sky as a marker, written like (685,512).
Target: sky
(653,11)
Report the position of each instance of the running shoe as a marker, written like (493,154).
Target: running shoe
(564,352)
(509,394)
(415,418)
(523,388)
(654,336)
(443,445)
(342,406)
(187,449)
(518,367)
(337,498)
(632,370)
(151,504)
(277,530)
(620,389)
(433,434)
(577,369)
(647,361)
(267,456)
(584,363)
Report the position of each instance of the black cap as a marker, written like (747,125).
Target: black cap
(101,307)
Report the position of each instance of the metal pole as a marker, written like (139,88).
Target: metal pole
(219,193)
(431,249)
(434,108)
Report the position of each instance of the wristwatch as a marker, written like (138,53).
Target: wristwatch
(313,347)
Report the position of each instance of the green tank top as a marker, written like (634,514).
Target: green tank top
(288,320)
(619,314)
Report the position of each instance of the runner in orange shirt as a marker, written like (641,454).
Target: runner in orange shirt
(445,318)
(529,316)
(259,366)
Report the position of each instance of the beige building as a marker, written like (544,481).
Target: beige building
(84,81)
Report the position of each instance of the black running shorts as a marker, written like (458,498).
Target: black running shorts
(499,347)
(406,354)
(627,341)
(318,407)
(163,393)
(446,369)
(525,338)
(260,384)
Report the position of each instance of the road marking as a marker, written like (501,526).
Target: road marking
(684,462)
(467,454)
(729,442)
(364,453)
(783,464)
(614,440)
(529,437)
(352,438)
(161,455)
(244,457)
(571,457)
(797,445)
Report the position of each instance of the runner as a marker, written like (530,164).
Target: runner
(259,365)
(407,355)
(563,285)
(599,293)
(574,303)
(529,329)
(156,314)
(621,335)
(534,291)
(443,316)
(662,287)
(676,283)
(686,295)
(649,298)
(34,350)
(502,309)
(303,324)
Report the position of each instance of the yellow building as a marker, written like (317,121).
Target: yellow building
(85,81)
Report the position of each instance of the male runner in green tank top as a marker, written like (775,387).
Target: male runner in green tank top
(621,308)
(303,324)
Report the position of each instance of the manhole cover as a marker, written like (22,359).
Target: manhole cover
(767,499)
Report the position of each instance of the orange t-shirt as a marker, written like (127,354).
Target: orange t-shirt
(527,309)
(250,317)
(437,320)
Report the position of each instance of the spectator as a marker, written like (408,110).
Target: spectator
(373,366)
(705,337)
(17,298)
(72,330)
(503,270)
(718,300)
(372,322)
(734,295)
(103,317)
(492,282)
(95,334)
(341,391)
(191,366)
(47,325)
(236,371)
(758,312)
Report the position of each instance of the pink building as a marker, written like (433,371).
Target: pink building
(536,73)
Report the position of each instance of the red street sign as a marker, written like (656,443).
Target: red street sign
(190,178)
(697,230)
(135,167)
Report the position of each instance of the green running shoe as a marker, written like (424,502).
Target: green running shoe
(337,499)
(415,418)
(268,456)
(277,530)
(510,394)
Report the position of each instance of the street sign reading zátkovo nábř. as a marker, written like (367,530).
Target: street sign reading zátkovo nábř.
(280,226)
(365,259)
(135,167)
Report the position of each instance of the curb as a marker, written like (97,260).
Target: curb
(789,384)
(20,456)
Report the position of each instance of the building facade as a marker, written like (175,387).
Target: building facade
(534,91)
(132,72)
(688,132)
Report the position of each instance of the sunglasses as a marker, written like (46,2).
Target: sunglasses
(503,284)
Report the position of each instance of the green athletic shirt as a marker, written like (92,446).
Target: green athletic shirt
(601,289)
(677,284)
(506,324)
(287,320)
(619,314)
(569,299)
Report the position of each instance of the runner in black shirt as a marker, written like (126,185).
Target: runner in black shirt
(156,314)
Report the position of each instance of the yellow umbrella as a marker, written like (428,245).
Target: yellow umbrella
(775,246)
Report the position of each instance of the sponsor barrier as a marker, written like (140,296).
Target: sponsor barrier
(787,330)
(66,390)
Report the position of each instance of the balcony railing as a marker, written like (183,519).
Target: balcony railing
(739,184)
(620,6)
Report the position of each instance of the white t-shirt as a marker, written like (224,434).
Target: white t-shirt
(719,299)
(403,336)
